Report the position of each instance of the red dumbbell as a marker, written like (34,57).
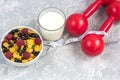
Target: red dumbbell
(107,2)
(93,44)
(77,24)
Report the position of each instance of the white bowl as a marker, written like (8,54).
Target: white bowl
(29,62)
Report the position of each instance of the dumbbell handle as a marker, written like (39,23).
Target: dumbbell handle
(92,8)
(107,24)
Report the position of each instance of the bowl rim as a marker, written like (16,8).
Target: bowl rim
(21,64)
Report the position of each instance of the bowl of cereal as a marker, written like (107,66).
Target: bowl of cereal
(21,46)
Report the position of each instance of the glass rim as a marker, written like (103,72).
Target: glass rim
(63,15)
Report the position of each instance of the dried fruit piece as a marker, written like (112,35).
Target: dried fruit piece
(9,55)
(34,35)
(20,42)
(16,30)
(29,50)
(20,35)
(10,44)
(25,30)
(37,41)
(24,61)
(17,56)
(26,36)
(30,59)
(26,55)
(14,39)
(5,50)
(5,44)
(24,48)
(12,32)
(30,42)
(29,46)
(17,60)
(9,36)
(37,48)
(12,59)
(35,53)
(32,56)
(12,49)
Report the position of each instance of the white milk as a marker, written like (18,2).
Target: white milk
(51,22)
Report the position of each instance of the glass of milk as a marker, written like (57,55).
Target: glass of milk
(51,23)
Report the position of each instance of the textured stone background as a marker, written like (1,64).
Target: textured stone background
(67,62)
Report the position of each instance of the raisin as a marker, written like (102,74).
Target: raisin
(10,44)
(17,60)
(26,36)
(12,32)
(25,47)
(19,49)
(23,38)
(3,46)
(37,36)
(33,35)
(20,53)
(16,30)
(20,35)
(5,50)
(14,39)
(35,53)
